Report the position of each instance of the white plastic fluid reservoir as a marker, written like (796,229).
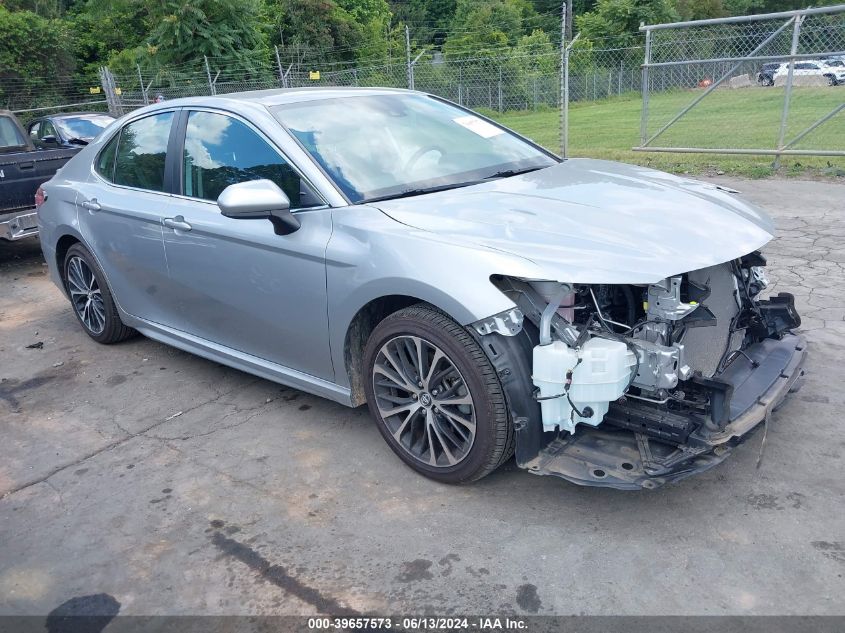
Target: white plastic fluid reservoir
(601,377)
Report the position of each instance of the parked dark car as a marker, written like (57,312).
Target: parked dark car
(71,130)
(766,74)
(23,168)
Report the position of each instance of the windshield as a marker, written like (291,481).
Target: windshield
(85,127)
(382,146)
(10,136)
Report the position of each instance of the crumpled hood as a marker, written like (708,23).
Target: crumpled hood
(591,221)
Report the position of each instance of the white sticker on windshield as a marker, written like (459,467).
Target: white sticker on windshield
(479,126)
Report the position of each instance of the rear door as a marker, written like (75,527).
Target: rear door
(120,210)
(240,284)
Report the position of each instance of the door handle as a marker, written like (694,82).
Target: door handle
(91,205)
(178,223)
(27,165)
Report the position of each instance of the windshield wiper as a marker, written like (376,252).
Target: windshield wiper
(507,173)
(408,193)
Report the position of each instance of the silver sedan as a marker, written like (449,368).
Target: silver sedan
(604,322)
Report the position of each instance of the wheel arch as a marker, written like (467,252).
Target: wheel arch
(68,236)
(360,328)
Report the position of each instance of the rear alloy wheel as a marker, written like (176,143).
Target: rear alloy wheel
(831,80)
(435,397)
(91,298)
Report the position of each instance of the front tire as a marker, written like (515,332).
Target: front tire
(435,396)
(91,298)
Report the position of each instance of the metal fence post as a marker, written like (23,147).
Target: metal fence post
(564,84)
(141,84)
(784,120)
(408,58)
(279,66)
(208,73)
(564,129)
(500,88)
(645,87)
(621,70)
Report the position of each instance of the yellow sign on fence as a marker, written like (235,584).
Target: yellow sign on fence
(95,90)
(314,75)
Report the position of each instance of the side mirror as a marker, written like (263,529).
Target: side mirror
(49,140)
(258,200)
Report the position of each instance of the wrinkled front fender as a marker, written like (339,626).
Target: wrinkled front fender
(371,256)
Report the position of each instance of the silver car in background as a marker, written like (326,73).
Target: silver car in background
(602,321)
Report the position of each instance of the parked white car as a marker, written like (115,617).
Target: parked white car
(832,70)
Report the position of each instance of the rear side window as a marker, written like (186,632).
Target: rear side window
(141,152)
(222,151)
(105,161)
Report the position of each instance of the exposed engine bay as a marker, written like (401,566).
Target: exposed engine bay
(639,385)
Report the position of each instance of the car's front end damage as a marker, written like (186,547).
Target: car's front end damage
(637,385)
(636,348)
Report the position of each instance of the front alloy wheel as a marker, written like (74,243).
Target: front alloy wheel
(435,396)
(424,401)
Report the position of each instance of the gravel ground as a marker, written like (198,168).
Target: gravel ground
(174,485)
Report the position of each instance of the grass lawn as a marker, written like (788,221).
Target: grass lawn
(740,118)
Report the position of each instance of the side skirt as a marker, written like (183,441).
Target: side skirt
(239,360)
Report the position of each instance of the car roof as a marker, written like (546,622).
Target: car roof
(281,96)
(60,115)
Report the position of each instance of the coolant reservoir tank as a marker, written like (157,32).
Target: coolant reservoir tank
(601,377)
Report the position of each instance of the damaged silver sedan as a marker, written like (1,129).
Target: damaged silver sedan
(602,321)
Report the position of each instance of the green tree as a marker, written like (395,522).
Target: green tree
(329,30)
(108,32)
(483,26)
(30,61)
(700,9)
(185,30)
(615,23)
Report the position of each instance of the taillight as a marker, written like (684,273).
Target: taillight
(40,197)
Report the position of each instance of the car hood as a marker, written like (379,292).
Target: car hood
(591,221)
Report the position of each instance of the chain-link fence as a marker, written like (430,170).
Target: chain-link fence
(770,85)
(709,86)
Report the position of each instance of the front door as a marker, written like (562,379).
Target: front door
(240,284)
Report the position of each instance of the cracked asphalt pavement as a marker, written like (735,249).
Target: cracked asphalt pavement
(173,485)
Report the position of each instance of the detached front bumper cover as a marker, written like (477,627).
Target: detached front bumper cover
(617,458)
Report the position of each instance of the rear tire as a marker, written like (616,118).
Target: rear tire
(91,298)
(450,420)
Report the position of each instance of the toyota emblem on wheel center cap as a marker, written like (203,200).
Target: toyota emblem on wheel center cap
(425,400)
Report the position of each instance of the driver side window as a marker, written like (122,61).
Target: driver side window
(221,151)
